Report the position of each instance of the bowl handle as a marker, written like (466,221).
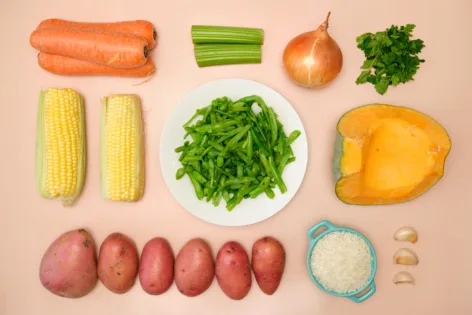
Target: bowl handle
(325,223)
(365,296)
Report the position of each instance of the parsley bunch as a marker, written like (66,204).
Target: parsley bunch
(391,57)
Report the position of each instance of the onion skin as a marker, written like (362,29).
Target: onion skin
(313,59)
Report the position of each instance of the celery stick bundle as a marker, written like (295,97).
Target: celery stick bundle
(224,45)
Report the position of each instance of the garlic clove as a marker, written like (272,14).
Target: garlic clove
(406,234)
(405,256)
(403,277)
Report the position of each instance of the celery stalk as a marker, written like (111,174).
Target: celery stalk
(202,34)
(226,54)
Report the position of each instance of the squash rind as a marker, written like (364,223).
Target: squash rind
(338,153)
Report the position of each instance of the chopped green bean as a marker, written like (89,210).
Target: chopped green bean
(275,173)
(243,181)
(215,127)
(265,163)
(220,160)
(180,173)
(196,165)
(251,174)
(293,136)
(226,195)
(235,154)
(199,177)
(240,171)
(190,158)
(270,193)
(204,141)
(216,145)
(197,186)
(249,146)
(180,149)
(233,142)
(217,198)
(273,125)
(283,162)
(261,188)
(213,117)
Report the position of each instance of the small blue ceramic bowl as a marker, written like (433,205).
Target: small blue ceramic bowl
(356,296)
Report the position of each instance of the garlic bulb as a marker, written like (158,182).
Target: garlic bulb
(403,277)
(406,234)
(405,256)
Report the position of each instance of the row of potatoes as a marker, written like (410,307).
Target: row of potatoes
(70,268)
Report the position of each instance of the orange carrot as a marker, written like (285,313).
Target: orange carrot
(70,66)
(137,27)
(109,48)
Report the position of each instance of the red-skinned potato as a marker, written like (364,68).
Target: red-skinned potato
(69,266)
(118,263)
(156,267)
(232,270)
(194,268)
(268,263)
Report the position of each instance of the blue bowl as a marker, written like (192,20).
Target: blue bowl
(330,228)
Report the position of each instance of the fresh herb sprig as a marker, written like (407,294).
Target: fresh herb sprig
(391,57)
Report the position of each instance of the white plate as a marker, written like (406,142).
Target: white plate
(249,211)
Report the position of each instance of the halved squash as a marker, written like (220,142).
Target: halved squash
(386,154)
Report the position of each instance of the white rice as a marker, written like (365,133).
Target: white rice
(341,262)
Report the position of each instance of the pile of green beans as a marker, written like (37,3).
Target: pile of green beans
(236,153)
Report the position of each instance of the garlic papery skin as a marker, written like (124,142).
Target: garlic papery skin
(405,256)
(403,277)
(406,234)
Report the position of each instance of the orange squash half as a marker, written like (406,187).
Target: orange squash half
(387,154)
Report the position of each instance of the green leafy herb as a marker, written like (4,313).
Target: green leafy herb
(391,57)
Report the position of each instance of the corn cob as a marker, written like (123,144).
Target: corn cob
(60,145)
(122,148)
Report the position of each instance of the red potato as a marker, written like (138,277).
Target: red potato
(233,271)
(194,268)
(69,266)
(118,263)
(156,268)
(268,263)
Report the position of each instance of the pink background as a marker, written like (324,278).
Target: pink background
(442,89)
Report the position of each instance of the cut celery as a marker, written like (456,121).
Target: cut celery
(202,34)
(226,54)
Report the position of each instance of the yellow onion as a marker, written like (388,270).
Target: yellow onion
(313,59)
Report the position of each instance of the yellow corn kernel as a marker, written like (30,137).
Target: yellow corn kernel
(122,148)
(60,145)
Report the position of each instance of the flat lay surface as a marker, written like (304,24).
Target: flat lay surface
(441,89)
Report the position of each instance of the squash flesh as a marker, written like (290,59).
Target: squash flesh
(390,154)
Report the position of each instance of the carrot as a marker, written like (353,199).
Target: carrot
(62,65)
(137,27)
(109,48)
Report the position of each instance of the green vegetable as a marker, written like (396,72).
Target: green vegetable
(235,154)
(197,186)
(203,34)
(226,54)
(270,193)
(261,188)
(180,173)
(391,57)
